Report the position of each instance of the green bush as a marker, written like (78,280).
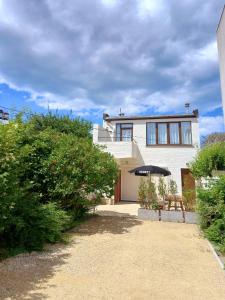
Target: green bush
(77,169)
(31,224)
(49,167)
(147,195)
(210,158)
(211,208)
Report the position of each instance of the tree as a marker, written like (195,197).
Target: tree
(210,158)
(142,192)
(48,170)
(211,208)
(78,168)
(151,196)
(162,189)
(172,187)
(62,124)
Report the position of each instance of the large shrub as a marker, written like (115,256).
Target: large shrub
(49,167)
(79,169)
(210,158)
(211,208)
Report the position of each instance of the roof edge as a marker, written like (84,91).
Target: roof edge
(223,10)
(195,114)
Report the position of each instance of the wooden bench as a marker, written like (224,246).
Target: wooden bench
(175,202)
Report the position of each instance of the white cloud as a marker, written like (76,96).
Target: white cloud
(109,3)
(83,55)
(151,7)
(211,124)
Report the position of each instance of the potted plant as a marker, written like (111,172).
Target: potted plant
(162,190)
(148,200)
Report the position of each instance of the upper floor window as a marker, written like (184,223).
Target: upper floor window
(124,132)
(186,133)
(173,133)
(162,133)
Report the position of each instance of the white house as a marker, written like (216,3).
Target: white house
(169,141)
(221,53)
(4,117)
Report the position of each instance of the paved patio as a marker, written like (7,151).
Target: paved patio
(116,256)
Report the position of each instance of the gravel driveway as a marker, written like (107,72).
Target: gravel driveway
(116,256)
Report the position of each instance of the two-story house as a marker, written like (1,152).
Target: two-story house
(168,141)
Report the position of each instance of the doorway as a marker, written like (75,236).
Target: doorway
(188,189)
(117,193)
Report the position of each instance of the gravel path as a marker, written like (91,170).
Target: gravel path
(116,256)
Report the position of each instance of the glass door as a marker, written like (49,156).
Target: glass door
(126,134)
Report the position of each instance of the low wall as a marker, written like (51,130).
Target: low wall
(168,216)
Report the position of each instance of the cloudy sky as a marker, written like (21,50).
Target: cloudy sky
(143,56)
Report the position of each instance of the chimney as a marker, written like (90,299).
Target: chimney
(121,114)
(105,116)
(196,113)
(187,108)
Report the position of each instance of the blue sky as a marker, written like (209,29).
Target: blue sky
(95,56)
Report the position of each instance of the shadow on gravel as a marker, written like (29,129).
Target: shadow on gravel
(108,222)
(21,275)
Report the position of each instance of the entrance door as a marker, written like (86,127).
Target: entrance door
(117,196)
(188,181)
(188,189)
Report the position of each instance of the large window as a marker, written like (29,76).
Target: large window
(172,133)
(162,133)
(124,132)
(186,133)
(151,133)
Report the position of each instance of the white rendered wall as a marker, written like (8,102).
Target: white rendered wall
(172,157)
(221,53)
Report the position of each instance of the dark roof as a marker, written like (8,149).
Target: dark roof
(220,18)
(106,117)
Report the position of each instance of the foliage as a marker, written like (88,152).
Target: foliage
(162,188)
(48,169)
(213,138)
(189,195)
(172,187)
(210,158)
(189,199)
(79,168)
(142,192)
(211,208)
(147,194)
(64,124)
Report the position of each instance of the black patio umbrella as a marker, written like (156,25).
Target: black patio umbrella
(149,170)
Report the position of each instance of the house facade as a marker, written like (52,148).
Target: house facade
(169,141)
(221,54)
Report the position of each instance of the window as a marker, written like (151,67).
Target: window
(151,133)
(124,132)
(174,133)
(162,133)
(186,133)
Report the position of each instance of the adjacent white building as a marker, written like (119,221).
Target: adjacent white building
(221,53)
(169,141)
(4,117)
